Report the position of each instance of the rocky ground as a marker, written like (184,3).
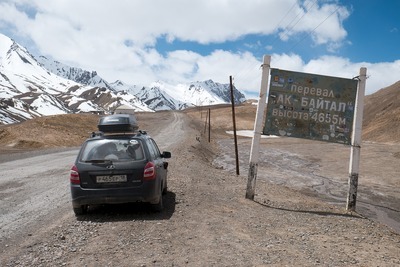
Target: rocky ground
(207,221)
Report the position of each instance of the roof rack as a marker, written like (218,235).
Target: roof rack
(118,123)
(100,133)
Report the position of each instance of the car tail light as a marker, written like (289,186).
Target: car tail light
(74,176)
(149,171)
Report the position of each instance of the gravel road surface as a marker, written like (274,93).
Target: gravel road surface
(206,220)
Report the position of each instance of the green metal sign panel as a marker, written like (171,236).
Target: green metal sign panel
(310,106)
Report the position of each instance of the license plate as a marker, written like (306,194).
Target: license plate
(111,179)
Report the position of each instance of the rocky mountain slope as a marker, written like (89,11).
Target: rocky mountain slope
(382,115)
(29,90)
(37,86)
(90,78)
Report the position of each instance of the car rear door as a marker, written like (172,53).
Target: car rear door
(158,160)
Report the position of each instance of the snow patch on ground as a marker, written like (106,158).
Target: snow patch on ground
(250,133)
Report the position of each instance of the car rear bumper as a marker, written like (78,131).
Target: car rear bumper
(147,192)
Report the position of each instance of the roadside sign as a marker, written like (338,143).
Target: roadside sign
(310,106)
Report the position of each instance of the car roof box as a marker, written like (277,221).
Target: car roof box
(118,123)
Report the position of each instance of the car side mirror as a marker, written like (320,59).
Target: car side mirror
(166,155)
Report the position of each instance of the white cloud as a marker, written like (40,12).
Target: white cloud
(329,27)
(381,75)
(323,23)
(117,38)
(61,28)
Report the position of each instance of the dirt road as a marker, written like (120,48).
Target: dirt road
(206,221)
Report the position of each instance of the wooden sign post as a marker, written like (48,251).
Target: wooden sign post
(356,142)
(255,144)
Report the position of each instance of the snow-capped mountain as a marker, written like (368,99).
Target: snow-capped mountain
(37,86)
(78,75)
(163,96)
(29,90)
(158,99)
(157,96)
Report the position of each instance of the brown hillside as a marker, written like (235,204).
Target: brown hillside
(68,130)
(50,131)
(382,115)
(381,123)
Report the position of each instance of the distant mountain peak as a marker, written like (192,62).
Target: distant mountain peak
(38,86)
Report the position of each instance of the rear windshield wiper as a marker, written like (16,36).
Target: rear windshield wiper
(107,161)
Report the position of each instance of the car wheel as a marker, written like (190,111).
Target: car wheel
(81,210)
(158,207)
(165,189)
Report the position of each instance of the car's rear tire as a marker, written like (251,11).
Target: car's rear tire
(158,207)
(82,210)
(165,189)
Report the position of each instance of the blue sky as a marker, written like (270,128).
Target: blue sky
(177,41)
(374,31)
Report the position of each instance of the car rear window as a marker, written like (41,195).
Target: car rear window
(112,149)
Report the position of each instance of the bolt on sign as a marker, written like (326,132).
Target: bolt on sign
(310,106)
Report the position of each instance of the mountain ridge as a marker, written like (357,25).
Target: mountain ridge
(381,121)
(38,86)
(28,90)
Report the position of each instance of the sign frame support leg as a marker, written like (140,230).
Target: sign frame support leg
(356,143)
(255,144)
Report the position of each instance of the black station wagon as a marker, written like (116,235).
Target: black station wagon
(118,165)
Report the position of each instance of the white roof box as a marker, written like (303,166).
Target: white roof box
(118,123)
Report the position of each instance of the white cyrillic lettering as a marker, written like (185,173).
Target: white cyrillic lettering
(287,99)
(342,107)
(280,99)
(333,106)
(312,103)
(327,102)
(305,91)
(320,103)
(284,99)
(304,101)
(300,89)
